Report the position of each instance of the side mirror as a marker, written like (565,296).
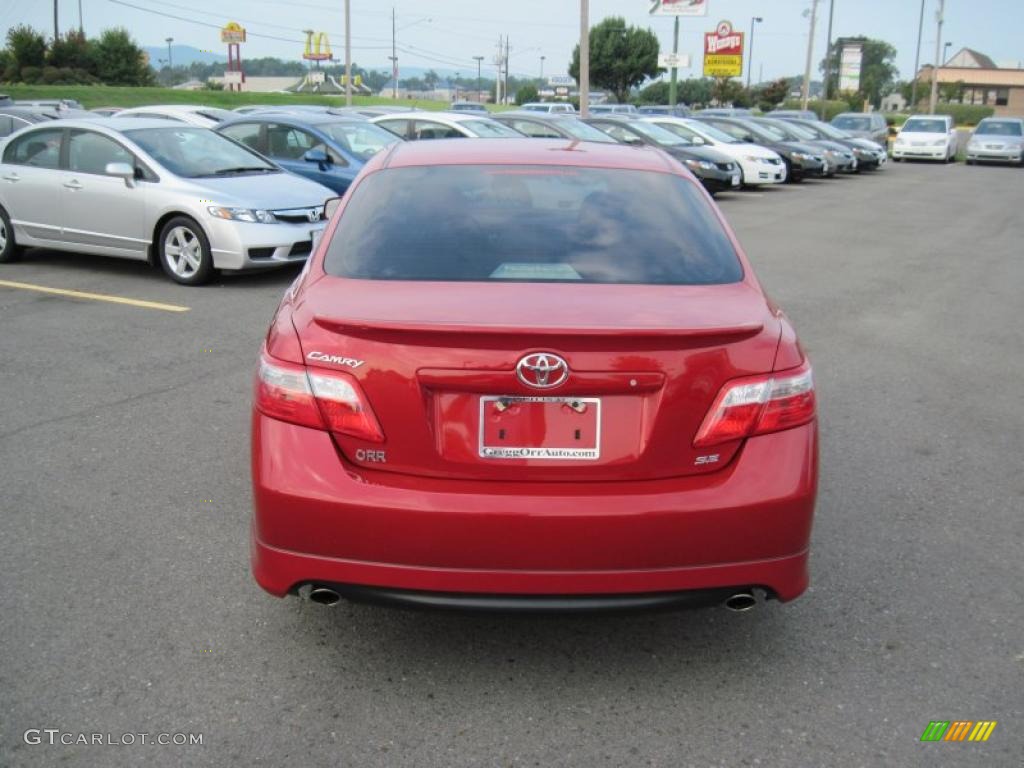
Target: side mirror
(634,141)
(749,138)
(331,206)
(316,156)
(121,171)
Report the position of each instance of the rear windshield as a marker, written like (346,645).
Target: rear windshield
(531,224)
(583,131)
(998,128)
(489,129)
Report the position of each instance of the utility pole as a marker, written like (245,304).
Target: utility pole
(170,61)
(939,18)
(478,60)
(917,60)
(584,88)
(810,57)
(828,57)
(394,58)
(750,54)
(81,27)
(505,89)
(56,25)
(542,67)
(673,86)
(348,54)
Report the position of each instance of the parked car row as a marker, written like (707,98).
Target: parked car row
(196,189)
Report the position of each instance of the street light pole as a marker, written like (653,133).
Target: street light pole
(394,58)
(810,56)
(56,25)
(584,88)
(828,57)
(750,59)
(81,26)
(542,67)
(348,54)
(939,18)
(170,61)
(478,60)
(673,85)
(917,59)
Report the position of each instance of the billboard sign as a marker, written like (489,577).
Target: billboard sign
(561,80)
(849,66)
(679,7)
(233,77)
(723,52)
(232,33)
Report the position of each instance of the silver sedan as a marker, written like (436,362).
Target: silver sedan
(184,197)
(997,140)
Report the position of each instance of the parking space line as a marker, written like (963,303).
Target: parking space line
(94,296)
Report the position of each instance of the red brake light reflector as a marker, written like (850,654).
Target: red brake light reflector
(328,400)
(758,405)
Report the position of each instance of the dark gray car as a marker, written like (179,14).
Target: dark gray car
(717,171)
(870,154)
(543,126)
(865,125)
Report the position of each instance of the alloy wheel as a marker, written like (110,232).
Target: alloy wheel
(183,251)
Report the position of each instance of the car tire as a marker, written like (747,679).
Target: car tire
(184,252)
(9,248)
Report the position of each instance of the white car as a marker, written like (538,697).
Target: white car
(758,165)
(551,107)
(926,137)
(419,125)
(191,114)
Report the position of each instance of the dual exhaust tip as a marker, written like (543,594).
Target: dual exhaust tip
(739,602)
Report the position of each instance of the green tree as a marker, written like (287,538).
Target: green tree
(621,57)
(877,70)
(695,90)
(119,61)
(771,95)
(431,79)
(526,93)
(655,93)
(72,51)
(26,48)
(725,90)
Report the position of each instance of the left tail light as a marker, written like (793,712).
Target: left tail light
(757,405)
(328,400)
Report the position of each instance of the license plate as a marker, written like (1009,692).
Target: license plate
(546,428)
(735,181)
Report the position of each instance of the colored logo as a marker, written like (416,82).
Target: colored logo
(958,730)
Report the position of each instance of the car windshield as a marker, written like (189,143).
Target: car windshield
(999,128)
(531,224)
(924,125)
(852,123)
(658,134)
(829,131)
(196,152)
(710,132)
(765,132)
(490,129)
(360,139)
(580,130)
(681,131)
(788,130)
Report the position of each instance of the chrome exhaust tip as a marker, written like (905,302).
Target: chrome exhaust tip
(324,596)
(741,602)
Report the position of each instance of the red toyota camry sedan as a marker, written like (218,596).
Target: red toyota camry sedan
(531,374)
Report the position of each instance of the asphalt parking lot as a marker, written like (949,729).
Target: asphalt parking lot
(127,606)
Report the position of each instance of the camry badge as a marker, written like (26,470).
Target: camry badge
(542,370)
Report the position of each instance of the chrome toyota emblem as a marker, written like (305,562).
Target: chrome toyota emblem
(542,370)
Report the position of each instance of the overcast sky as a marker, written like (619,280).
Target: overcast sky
(459,29)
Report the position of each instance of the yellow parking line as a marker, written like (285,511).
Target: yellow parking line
(94,296)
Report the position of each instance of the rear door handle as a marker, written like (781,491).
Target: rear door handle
(73,185)
(12,177)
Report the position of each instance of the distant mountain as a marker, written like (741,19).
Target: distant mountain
(182,55)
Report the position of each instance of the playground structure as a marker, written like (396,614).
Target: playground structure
(318,49)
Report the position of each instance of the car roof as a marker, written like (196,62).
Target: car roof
(553,152)
(454,117)
(295,118)
(527,115)
(120,125)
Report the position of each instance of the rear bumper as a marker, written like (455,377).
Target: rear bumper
(747,525)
